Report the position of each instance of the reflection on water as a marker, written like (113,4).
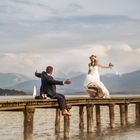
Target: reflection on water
(129,132)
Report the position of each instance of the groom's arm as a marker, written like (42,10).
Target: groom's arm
(57,82)
(53,81)
(38,74)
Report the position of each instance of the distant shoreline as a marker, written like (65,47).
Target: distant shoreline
(112,93)
(11,92)
(22,93)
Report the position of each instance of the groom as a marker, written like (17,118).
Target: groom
(48,87)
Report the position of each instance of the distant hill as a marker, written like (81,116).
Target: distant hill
(129,82)
(11,79)
(27,86)
(77,84)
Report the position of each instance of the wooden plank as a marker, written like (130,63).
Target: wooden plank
(52,103)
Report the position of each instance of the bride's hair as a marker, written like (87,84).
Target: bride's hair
(93,63)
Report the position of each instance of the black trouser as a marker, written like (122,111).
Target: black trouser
(61,100)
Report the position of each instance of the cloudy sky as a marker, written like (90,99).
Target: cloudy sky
(62,33)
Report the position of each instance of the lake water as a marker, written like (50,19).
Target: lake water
(11,126)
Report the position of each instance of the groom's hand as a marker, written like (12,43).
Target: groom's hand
(35,72)
(67,81)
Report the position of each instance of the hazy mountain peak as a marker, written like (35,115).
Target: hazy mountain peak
(129,82)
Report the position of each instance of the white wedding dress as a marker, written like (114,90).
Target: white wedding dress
(94,86)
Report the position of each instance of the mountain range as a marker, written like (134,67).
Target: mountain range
(128,82)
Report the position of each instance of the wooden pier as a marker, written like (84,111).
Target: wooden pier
(28,107)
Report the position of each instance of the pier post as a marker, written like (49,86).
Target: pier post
(112,115)
(67,124)
(89,118)
(57,121)
(122,114)
(98,115)
(81,118)
(28,123)
(137,110)
(126,113)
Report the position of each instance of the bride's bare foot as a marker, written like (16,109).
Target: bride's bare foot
(65,113)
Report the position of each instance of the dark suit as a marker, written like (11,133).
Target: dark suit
(48,86)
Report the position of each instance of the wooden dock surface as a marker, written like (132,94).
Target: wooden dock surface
(13,104)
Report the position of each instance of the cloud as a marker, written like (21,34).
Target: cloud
(26,23)
(125,57)
(75,29)
(122,56)
(18,11)
(34,34)
(64,35)
(29,10)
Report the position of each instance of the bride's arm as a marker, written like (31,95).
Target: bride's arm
(104,66)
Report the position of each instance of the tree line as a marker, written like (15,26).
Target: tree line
(4,92)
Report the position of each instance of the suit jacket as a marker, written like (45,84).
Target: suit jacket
(48,84)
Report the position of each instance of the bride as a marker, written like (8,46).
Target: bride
(92,84)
